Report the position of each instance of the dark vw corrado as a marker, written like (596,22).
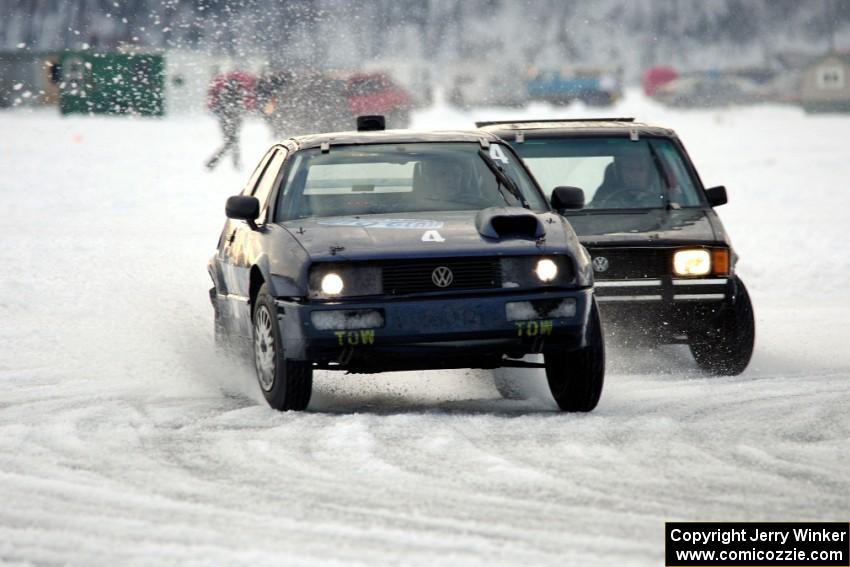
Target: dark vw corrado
(403,250)
(664,265)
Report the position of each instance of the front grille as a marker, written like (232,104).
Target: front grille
(632,263)
(466,273)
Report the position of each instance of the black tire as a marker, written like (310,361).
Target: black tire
(725,348)
(576,377)
(286,384)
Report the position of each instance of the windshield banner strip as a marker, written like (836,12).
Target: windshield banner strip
(411,224)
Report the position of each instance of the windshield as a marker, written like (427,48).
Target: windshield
(398,178)
(614,173)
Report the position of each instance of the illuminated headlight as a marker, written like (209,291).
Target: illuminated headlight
(337,280)
(546,270)
(692,262)
(533,271)
(332,284)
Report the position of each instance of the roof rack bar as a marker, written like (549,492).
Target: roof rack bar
(550,120)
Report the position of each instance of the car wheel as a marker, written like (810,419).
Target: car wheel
(576,377)
(725,348)
(286,384)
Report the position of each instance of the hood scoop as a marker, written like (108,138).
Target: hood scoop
(508,222)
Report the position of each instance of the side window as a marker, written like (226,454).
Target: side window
(267,182)
(289,193)
(252,181)
(681,187)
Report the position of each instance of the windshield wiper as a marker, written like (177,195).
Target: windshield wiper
(503,180)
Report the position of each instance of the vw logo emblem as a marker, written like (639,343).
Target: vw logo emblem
(600,264)
(442,276)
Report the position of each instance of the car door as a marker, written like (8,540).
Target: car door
(228,233)
(237,249)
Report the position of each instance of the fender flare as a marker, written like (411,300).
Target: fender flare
(279,286)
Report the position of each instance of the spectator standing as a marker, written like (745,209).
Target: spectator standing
(229,98)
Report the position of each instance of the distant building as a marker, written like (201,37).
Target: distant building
(826,84)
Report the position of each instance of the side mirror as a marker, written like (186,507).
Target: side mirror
(716,196)
(567,198)
(240,207)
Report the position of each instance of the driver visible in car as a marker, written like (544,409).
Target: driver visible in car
(631,181)
(449,181)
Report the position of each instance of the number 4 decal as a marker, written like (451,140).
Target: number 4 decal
(497,154)
(432,236)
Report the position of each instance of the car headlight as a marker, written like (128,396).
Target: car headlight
(332,284)
(336,280)
(692,262)
(534,271)
(546,270)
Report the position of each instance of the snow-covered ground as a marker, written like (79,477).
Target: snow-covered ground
(125,439)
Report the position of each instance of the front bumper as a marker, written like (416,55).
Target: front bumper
(668,309)
(432,332)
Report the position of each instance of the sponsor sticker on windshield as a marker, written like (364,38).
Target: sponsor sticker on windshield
(409,224)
